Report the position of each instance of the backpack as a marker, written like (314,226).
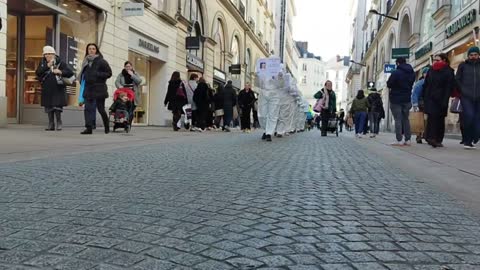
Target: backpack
(180,92)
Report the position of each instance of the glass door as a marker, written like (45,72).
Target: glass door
(12,72)
(141,65)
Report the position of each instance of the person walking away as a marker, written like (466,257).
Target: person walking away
(218,102)
(374,111)
(176,98)
(268,103)
(359,110)
(190,86)
(400,84)
(211,108)
(246,100)
(50,73)
(341,119)
(128,78)
(229,101)
(202,100)
(417,99)
(439,85)
(329,105)
(468,79)
(95,72)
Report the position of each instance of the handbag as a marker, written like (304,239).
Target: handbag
(456,105)
(81,100)
(69,80)
(219,112)
(319,105)
(417,122)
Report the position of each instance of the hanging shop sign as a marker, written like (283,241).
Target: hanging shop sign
(192,43)
(461,23)
(424,50)
(400,52)
(235,69)
(195,62)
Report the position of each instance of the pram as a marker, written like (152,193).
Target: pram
(332,125)
(123,118)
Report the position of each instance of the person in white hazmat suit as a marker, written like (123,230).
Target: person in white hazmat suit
(301,117)
(292,109)
(285,107)
(269,103)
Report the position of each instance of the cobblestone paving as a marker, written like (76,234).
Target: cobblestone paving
(229,201)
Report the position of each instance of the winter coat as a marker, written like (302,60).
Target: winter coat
(417,94)
(218,101)
(468,79)
(201,97)
(229,97)
(190,86)
(332,100)
(96,77)
(175,102)
(375,102)
(359,105)
(400,84)
(246,99)
(438,87)
(121,105)
(53,94)
(136,81)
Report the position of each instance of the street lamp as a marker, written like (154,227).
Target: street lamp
(374,11)
(352,61)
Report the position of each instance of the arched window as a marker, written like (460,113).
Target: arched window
(191,11)
(219,57)
(235,51)
(248,62)
(427,27)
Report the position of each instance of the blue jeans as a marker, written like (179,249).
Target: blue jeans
(471,120)
(360,119)
(401,113)
(374,123)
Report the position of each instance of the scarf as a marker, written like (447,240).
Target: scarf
(439,65)
(127,77)
(88,60)
(326,99)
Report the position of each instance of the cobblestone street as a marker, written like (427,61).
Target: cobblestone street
(230,201)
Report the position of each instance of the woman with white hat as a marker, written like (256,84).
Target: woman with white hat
(50,73)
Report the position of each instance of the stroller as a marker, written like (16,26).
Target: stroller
(333,125)
(122,117)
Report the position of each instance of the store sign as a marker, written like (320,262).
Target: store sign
(195,61)
(461,23)
(132,9)
(424,50)
(235,69)
(145,45)
(219,74)
(400,52)
(389,68)
(192,43)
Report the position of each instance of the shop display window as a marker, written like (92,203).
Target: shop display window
(141,65)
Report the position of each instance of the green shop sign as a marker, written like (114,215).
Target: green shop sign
(400,52)
(424,50)
(461,23)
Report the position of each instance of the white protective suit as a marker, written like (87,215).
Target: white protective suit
(269,101)
(292,109)
(285,103)
(300,115)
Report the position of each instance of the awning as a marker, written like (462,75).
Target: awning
(35,7)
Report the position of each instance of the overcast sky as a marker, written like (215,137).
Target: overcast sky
(325,25)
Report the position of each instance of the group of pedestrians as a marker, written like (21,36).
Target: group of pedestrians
(204,108)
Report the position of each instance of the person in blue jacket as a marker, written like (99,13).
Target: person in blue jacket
(417,97)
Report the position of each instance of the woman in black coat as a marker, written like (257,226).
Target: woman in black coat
(95,72)
(218,102)
(176,98)
(54,96)
(202,100)
(439,85)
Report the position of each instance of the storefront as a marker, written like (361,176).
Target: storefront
(195,65)
(219,78)
(148,57)
(67,25)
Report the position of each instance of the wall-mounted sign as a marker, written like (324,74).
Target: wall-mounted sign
(145,45)
(400,52)
(389,68)
(217,73)
(194,61)
(192,43)
(461,23)
(235,69)
(424,50)
(132,9)
(148,45)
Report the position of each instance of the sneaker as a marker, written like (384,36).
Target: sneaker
(469,146)
(264,136)
(397,143)
(269,138)
(360,136)
(407,143)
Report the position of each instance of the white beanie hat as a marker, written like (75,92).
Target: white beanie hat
(48,49)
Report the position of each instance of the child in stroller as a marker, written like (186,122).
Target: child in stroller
(121,111)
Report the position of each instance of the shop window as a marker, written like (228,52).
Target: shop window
(428,23)
(141,65)
(77,29)
(235,51)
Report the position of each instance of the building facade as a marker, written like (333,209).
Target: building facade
(219,35)
(423,28)
(311,72)
(285,12)
(336,72)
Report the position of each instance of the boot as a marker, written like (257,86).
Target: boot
(58,115)
(86,131)
(51,123)
(107,128)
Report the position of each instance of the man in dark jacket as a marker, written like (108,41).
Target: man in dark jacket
(468,79)
(229,101)
(400,84)
(246,99)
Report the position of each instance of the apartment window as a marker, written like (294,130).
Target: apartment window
(459,5)
(304,67)
(428,23)
(158,4)
(304,79)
